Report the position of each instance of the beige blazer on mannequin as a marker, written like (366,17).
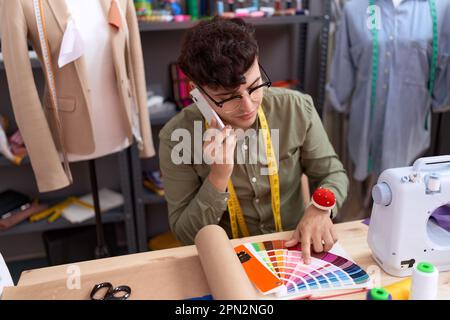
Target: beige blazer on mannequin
(34,119)
(1,6)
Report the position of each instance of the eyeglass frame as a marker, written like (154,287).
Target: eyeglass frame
(250,91)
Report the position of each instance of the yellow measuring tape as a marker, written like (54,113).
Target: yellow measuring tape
(234,208)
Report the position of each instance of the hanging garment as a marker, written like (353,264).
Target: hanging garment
(395,134)
(37,125)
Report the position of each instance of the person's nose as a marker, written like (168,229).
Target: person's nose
(246,103)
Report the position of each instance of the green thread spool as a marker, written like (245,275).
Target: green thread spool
(425,267)
(192,8)
(378,294)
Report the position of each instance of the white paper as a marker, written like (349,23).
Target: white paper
(72,46)
(340,251)
(108,200)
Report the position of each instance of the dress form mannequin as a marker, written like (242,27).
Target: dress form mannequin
(66,122)
(82,115)
(109,130)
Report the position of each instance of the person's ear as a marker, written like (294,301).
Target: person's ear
(191,86)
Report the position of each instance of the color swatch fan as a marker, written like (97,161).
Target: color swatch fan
(276,269)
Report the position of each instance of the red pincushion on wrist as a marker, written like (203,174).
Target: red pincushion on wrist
(324,199)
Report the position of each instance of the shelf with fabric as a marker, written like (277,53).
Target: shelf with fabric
(112,216)
(165,26)
(18,178)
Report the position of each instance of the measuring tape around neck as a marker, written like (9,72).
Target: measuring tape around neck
(237,219)
(375,59)
(50,76)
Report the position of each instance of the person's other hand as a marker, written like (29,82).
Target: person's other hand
(314,229)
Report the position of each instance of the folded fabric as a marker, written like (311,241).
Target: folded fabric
(442,217)
(11,200)
(180,86)
(4,144)
(16,138)
(17,145)
(108,200)
(153,182)
(18,217)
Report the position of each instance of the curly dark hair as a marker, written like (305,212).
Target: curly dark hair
(217,53)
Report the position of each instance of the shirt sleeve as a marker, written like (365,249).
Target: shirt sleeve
(343,72)
(319,160)
(192,203)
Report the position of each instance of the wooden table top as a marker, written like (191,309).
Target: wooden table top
(352,237)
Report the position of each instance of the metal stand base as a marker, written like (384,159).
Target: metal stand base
(101,251)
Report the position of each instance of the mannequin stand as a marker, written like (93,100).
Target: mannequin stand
(101,251)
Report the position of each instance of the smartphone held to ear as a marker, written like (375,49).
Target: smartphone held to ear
(205,108)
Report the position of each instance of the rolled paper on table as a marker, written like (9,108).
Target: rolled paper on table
(425,280)
(223,270)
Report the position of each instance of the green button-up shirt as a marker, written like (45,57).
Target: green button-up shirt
(304,147)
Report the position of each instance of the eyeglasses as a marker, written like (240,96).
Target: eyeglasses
(233,103)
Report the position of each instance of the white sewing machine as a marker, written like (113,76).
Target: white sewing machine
(401,232)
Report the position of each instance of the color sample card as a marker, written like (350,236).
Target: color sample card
(258,273)
(326,272)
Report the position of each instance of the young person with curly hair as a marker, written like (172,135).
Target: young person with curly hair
(220,57)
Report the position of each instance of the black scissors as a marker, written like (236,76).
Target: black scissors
(111,292)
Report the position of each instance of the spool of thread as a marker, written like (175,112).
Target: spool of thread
(378,294)
(425,280)
(192,8)
(400,290)
(433,183)
(220,8)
